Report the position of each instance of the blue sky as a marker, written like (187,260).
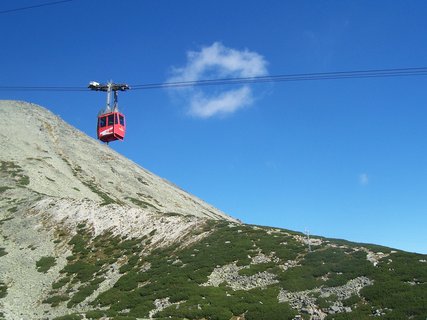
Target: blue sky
(342,158)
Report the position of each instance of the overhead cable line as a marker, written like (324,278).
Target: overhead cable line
(290,77)
(359,74)
(35,88)
(35,6)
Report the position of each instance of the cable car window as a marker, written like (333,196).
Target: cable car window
(102,121)
(122,120)
(116,121)
(111,119)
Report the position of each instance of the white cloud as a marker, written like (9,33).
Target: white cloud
(364,179)
(220,104)
(218,62)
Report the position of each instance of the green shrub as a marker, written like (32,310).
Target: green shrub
(60,283)
(56,300)
(24,180)
(128,281)
(95,314)
(256,268)
(400,297)
(45,263)
(97,281)
(128,244)
(83,270)
(4,188)
(270,312)
(107,298)
(79,243)
(69,317)
(5,219)
(3,290)
(323,303)
(130,264)
(351,301)
(81,294)
(3,252)
(140,203)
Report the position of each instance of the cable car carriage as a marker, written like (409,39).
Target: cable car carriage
(111,123)
(111,126)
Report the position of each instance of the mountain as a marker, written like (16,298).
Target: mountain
(88,234)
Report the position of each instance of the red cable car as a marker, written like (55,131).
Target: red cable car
(111,123)
(111,126)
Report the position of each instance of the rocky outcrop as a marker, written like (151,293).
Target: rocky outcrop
(121,220)
(305,301)
(230,275)
(159,304)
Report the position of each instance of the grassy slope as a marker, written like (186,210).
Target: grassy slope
(178,273)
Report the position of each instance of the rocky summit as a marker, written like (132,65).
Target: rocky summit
(87,234)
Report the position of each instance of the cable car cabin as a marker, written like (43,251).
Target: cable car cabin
(111,126)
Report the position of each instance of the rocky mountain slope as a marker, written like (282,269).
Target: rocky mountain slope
(87,234)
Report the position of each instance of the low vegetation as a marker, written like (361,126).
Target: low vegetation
(4,188)
(3,290)
(14,172)
(179,274)
(3,252)
(45,263)
(141,203)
